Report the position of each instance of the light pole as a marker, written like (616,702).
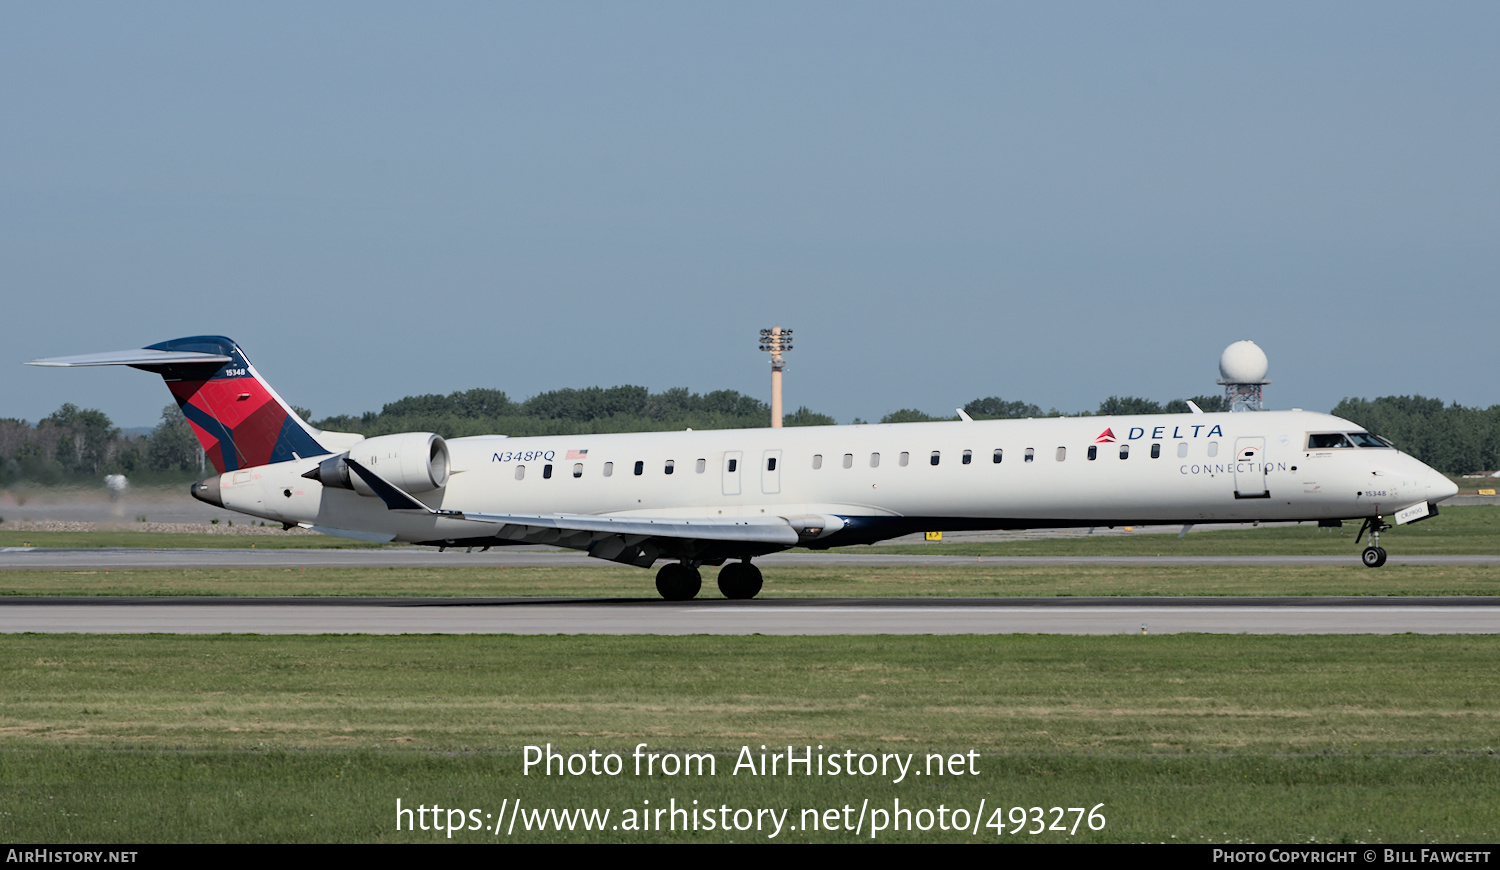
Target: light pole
(777,341)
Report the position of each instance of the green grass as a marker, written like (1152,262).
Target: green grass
(1127,695)
(1192,737)
(977,579)
(94,796)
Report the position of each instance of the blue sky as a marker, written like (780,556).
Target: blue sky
(1046,202)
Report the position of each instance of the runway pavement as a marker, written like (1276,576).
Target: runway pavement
(772,617)
(711,615)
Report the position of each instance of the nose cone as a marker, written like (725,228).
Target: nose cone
(208,491)
(1437,485)
(1440,487)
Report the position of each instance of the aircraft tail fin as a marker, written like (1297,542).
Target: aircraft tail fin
(240,421)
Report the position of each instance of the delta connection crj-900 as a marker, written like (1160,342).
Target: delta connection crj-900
(724,497)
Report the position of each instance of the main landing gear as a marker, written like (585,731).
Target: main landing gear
(739,580)
(1374,555)
(680,581)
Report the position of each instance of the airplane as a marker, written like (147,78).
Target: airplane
(725,497)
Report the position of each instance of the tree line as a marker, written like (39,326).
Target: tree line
(996,408)
(1451,438)
(73,444)
(79,445)
(567,412)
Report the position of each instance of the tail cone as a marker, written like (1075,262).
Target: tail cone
(207,491)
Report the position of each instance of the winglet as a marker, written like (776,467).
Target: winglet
(1194,406)
(964,416)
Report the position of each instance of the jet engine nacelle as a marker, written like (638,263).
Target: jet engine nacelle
(414,461)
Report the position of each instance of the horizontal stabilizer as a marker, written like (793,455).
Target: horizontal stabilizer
(142,358)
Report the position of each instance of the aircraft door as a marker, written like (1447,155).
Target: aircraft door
(732,461)
(770,472)
(1250,468)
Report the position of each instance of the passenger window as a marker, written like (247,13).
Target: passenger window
(903,459)
(1213,448)
(1030,454)
(1093,452)
(1155,451)
(817,461)
(734,464)
(671,465)
(874,460)
(771,464)
(999,454)
(520,472)
(609,469)
(640,468)
(935,457)
(848,460)
(1062,453)
(968,456)
(700,466)
(1182,450)
(578,469)
(547,471)
(1124,451)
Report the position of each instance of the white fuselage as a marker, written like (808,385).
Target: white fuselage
(891,478)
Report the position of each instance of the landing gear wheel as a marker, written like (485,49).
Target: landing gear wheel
(1374,555)
(677,582)
(739,580)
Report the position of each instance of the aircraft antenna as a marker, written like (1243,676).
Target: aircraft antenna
(776,341)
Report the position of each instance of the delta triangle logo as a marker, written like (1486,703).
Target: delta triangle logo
(1106,437)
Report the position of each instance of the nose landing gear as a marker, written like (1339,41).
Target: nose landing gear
(1374,555)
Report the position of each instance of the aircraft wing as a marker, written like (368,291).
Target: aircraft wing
(634,540)
(774,530)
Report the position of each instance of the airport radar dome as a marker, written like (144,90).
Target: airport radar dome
(1243,363)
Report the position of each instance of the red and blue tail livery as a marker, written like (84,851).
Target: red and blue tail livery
(240,421)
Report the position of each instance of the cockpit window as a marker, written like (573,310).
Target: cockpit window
(1365,439)
(1327,440)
